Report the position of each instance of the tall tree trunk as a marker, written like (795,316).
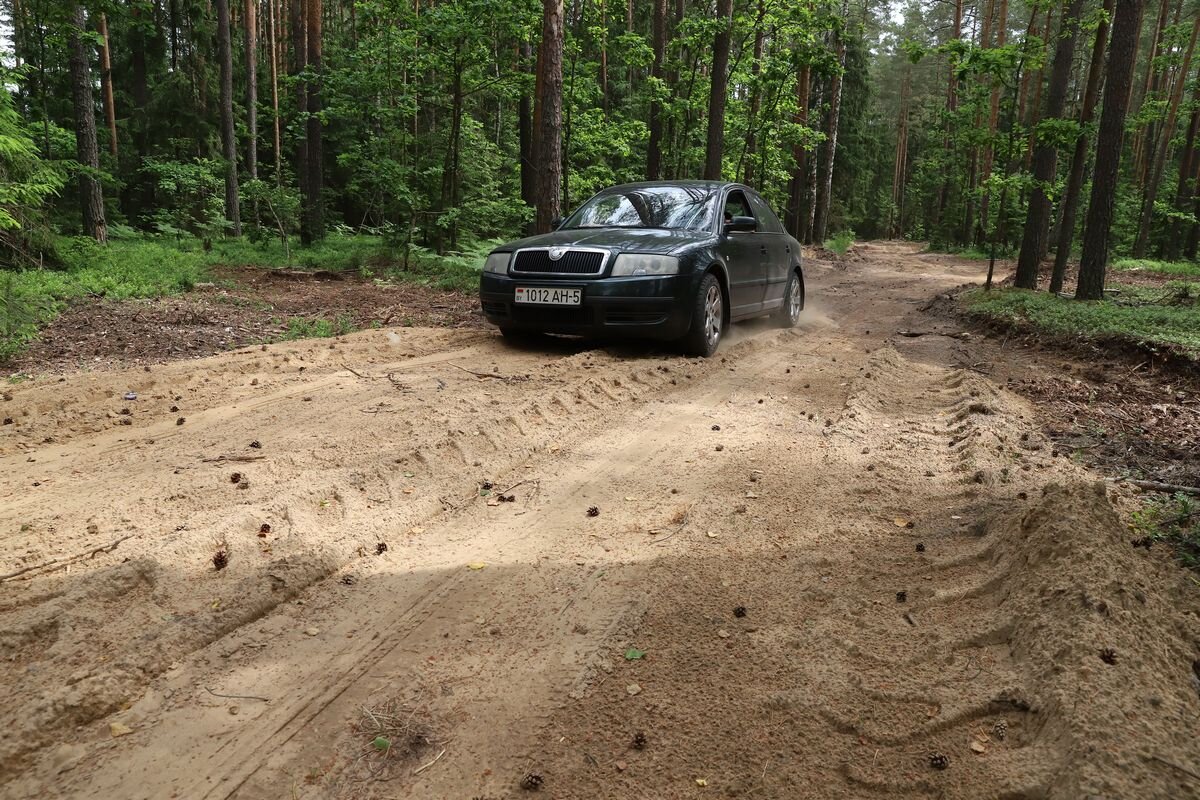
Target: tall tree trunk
(1146,84)
(312,225)
(299,62)
(549,116)
(825,186)
(526,135)
(604,57)
(951,107)
(715,142)
(796,216)
(228,137)
(91,197)
(1127,24)
(106,85)
(1045,159)
(1074,188)
(273,46)
(659,37)
(1185,189)
(989,153)
(895,227)
(251,25)
(755,98)
(1159,156)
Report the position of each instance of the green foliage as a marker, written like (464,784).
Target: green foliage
(1134,317)
(841,242)
(1174,520)
(191,197)
(27,181)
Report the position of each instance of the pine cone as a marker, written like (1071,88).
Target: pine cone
(939,760)
(380,548)
(532,781)
(639,741)
(920,547)
(1000,729)
(739,611)
(220,559)
(593,511)
(901,597)
(1108,655)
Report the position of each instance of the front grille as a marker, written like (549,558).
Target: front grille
(573,262)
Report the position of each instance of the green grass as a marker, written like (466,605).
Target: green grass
(1174,520)
(122,270)
(370,256)
(1184,268)
(316,328)
(138,267)
(1143,315)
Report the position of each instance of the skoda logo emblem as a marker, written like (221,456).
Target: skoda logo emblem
(557,252)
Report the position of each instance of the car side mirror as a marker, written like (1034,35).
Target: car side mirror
(741,225)
(554,223)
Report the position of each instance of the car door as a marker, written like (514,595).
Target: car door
(745,257)
(779,256)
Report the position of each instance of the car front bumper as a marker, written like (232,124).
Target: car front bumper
(647,307)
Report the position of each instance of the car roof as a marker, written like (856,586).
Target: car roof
(681,183)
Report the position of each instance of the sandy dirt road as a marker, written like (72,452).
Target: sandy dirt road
(828,563)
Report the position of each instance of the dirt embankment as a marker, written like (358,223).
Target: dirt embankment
(830,563)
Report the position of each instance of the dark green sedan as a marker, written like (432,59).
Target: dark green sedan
(676,261)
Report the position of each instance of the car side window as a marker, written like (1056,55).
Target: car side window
(767,221)
(736,205)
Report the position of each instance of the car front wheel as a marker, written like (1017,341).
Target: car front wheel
(708,319)
(788,314)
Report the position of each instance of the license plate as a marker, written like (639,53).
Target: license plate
(549,297)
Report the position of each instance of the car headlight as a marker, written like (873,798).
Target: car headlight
(497,263)
(638,264)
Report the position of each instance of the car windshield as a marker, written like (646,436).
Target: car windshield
(670,207)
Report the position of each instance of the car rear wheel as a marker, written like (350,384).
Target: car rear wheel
(708,319)
(793,303)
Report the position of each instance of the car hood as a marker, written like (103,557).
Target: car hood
(621,240)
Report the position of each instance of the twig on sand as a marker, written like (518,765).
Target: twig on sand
(419,770)
(1184,770)
(1157,486)
(240,459)
(682,524)
(59,563)
(493,375)
(237,696)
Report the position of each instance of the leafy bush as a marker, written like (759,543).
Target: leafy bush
(840,243)
(27,181)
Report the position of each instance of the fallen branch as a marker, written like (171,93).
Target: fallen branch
(221,459)
(682,524)
(237,696)
(492,375)
(1157,486)
(58,563)
(1184,770)
(419,770)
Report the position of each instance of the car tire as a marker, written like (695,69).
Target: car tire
(788,314)
(708,319)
